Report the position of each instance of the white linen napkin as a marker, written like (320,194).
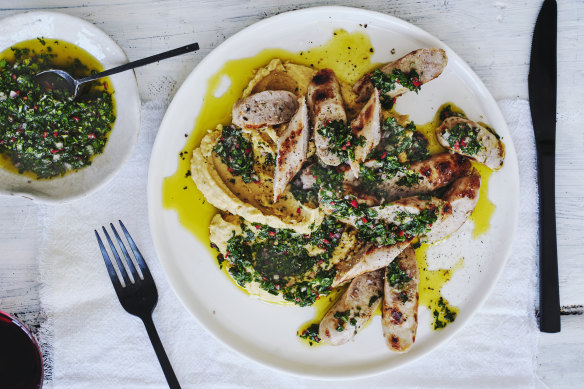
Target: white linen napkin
(96,344)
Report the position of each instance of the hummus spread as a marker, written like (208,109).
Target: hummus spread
(253,200)
(285,281)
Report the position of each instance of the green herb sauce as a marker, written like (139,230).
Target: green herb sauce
(327,177)
(47,132)
(279,260)
(236,152)
(398,143)
(342,318)
(463,137)
(447,112)
(348,317)
(311,333)
(385,83)
(373,230)
(342,141)
(399,139)
(397,278)
(448,315)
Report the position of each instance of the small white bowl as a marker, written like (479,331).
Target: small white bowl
(51,25)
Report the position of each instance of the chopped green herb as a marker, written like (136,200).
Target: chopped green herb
(406,139)
(385,83)
(48,132)
(342,141)
(342,318)
(397,278)
(463,137)
(443,316)
(370,229)
(372,300)
(328,177)
(311,333)
(237,153)
(447,112)
(278,259)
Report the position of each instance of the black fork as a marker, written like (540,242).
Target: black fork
(137,294)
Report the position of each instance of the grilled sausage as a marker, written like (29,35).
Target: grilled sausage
(355,307)
(366,259)
(325,104)
(391,212)
(434,173)
(269,107)
(428,63)
(399,313)
(460,199)
(476,142)
(292,149)
(367,125)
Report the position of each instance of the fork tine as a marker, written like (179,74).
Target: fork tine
(108,263)
(123,273)
(137,254)
(125,252)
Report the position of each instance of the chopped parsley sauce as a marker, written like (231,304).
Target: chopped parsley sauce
(463,137)
(328,177)
(347,317)
(236,152)
(311,333)
(373,230)
(447,112)
(388,167)
(342,318)
(279,260)
(342,141)
(443,315)
(48,132)
(397,278)
(385,234)
(399,139)
(385,83)
(398,143)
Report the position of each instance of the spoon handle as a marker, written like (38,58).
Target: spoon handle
(142,62)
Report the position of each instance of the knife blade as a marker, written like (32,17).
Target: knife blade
(542,100)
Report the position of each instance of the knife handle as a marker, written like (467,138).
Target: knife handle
(549,296)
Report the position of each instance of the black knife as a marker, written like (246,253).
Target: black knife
(542,101)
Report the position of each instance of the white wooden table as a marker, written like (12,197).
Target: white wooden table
(492,36)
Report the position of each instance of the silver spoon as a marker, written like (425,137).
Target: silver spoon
(60,79)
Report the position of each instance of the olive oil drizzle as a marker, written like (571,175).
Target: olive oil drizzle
(348,54)
(430,288)
(320,307)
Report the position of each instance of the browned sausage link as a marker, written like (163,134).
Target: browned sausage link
(400,302)
(355,307)
(441,169)
(428,63)
(264,108)
(325,104)
(460,199)
(292,149)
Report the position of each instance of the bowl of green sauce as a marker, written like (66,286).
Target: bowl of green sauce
(54,147)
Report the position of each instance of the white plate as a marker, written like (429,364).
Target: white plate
(265,332)
(51,25)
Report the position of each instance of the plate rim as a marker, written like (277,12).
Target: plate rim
(386,19)
(42,197)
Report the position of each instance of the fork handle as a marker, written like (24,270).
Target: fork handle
(160,353)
